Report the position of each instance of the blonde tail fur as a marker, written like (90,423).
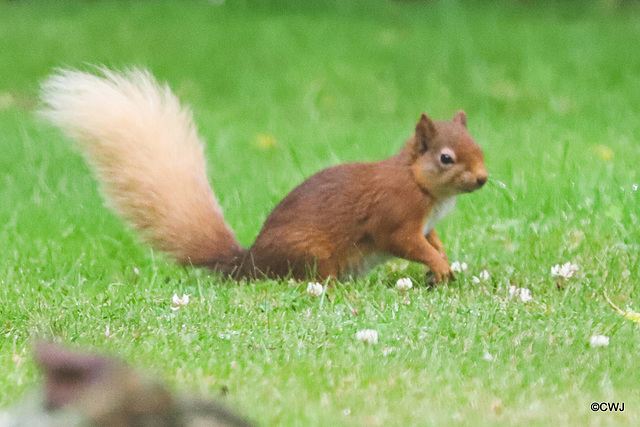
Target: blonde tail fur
(146,153)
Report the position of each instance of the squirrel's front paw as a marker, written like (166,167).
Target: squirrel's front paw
(441,273)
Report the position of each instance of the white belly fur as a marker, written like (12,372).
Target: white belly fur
(440,210)
(367,263)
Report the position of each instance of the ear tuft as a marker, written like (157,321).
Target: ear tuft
(68,373)
(425,132)
(461,118)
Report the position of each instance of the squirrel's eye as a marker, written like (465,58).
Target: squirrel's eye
(446,159)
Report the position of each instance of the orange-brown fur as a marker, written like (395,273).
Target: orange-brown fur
(331,225)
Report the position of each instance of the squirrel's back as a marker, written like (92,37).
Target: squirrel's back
(146,153)
(330,221)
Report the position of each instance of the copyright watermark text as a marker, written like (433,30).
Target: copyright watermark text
(607,406)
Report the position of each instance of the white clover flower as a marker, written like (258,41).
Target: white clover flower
(565,270)
(458,267)
(482,277)
(179,302)
(387,351)
(599,341)
(488,356)
(404,284)
(367,336)
(523,294)
(315,289)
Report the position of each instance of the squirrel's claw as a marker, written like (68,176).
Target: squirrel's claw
(434,279)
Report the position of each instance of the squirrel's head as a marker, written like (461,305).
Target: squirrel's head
(444,158)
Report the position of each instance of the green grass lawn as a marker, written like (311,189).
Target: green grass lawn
(551,93)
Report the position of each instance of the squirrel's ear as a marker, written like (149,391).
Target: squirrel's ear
(68,374)
(461,118)
(425,131)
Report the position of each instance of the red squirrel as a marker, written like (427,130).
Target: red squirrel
(342,221)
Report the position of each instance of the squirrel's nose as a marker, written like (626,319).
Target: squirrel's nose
(481,181)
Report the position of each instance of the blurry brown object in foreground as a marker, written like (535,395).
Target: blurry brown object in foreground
(83,389)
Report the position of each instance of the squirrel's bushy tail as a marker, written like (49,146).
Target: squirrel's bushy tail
(146,153)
